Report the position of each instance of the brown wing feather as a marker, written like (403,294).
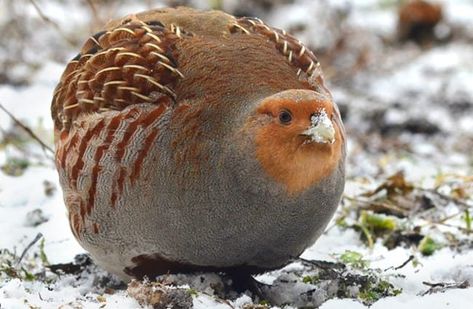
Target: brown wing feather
(129,64)
(290,47)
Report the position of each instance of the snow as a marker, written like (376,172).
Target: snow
(322,130)
(17,294)
(206,301)
(450,299)
(427,84)
(26,194)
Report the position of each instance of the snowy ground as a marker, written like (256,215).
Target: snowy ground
(406,109)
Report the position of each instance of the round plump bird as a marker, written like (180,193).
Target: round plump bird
(196,141)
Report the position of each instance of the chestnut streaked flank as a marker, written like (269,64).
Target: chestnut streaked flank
(189,140)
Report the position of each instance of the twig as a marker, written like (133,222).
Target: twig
(27,130)
(405,263)
(374,205)
(51,22)
(446,224)
(442,286)
(410,258)
(323,264)
(433,284)
(446,197)
(35,240)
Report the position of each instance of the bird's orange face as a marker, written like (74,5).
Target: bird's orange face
(299,138)
(300,123)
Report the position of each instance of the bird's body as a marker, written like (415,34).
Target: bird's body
(174,148)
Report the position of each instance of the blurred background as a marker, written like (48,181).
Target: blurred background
(401,72)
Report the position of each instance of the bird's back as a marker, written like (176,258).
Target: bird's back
(203,23)
(182,54)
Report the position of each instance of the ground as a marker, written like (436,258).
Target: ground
(402,235)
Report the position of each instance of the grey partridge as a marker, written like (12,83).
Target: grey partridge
(196,141)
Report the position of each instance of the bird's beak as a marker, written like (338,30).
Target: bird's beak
(321,129)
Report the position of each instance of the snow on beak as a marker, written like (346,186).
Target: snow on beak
(321,129)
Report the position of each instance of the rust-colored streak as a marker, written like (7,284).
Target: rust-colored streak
(63,135)
(189,121)
(66,148)
(113,198)
(121,180)
(146,123)
(145,119)
(96,228)
(84,142)
(129,131)
(121,145)
(83,211)
(75,224)
(154,114)
(112,126)
(142,155)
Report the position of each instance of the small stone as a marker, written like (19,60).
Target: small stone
(35,218)
(49,188)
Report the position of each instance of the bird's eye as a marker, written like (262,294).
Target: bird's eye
(285,117)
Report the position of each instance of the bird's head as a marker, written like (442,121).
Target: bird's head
(299,137)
